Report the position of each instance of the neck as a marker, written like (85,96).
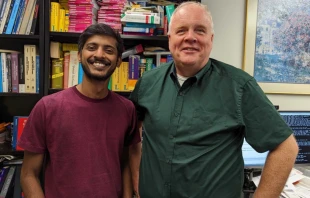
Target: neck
(188,70)
(93,89)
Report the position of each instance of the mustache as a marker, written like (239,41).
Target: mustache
(102,60)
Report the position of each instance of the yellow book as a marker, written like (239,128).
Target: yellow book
(61,20)
(57,76)
(124,69)
(116,80)
(69,47)
(27,60)
(54,23)
(33,68)
(67,22)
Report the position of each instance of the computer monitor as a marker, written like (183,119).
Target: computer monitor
(299,122)
(252,159)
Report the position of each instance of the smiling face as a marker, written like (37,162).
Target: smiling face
(190,39)
(99,57)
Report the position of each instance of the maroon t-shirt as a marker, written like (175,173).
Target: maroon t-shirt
(84,139)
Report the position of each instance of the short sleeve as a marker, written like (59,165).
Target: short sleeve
(134,97)
(33,136)
(264,127)
(133,135)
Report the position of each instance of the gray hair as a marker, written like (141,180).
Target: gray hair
(205,7)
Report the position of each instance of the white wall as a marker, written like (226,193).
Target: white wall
(229,23)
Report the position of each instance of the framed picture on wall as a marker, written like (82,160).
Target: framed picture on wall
(277,45)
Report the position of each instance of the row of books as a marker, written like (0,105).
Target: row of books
(73,15)
(126,76)
(20,70)
(66,72)
(128,19)
(18,16)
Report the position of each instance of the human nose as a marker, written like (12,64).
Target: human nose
(99,52)
(190,36)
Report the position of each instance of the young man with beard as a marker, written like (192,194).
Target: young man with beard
(196,112)
(88,133)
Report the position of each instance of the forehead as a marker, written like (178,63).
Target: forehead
(101,40)
(191,15)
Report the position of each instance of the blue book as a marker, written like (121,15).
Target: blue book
(37,73)
(140,25)
(18,16)
(7,19)
(80,73)
(1,89)
(14,135)
(13,17)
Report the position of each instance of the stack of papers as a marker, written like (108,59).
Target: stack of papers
(297,185)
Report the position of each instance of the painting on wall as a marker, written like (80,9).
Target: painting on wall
(277,45)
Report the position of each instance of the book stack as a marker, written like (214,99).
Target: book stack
(140,20)
(110,13)
(82,13)
(19,71)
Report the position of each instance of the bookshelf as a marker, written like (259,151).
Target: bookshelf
(69,37)
(12,104)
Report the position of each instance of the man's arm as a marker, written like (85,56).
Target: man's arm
(135,152)
(29,179)
(278,166)
(126,174)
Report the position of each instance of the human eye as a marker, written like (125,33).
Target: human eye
(200,30)
(109,50)
(180,31)
(91,47)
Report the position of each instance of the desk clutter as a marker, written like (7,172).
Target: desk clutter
(297,185)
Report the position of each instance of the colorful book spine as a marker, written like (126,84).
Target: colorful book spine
(134,62)
(21,73)
(27,58)
(1,86)
(12,17)
(54,16)
(33,68)
(124,72)
(80,73)
(17,28)
(116,80)
(14,71)
(37,73)
(73,69)
(66,69)
(4,73)
(57,73)
(62,15)
(18,16)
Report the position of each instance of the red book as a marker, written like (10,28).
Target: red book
(21,122)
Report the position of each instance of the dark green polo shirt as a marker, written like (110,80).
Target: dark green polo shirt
(194,133)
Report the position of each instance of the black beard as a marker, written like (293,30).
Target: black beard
(95,77)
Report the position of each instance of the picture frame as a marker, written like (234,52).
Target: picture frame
(277,45)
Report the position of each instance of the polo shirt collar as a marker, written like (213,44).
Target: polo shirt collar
(198,76)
